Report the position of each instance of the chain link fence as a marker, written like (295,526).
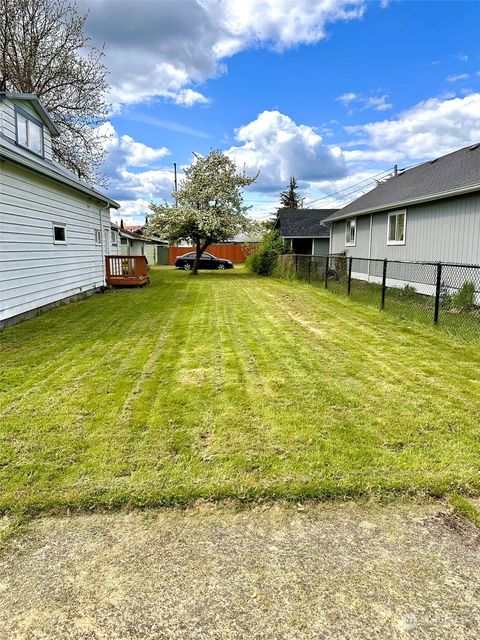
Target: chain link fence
(444,294)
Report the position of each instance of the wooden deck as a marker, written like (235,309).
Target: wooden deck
(126,271)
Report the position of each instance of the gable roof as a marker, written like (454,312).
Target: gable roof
(50,169)
(453,174)
(36,104)
(303,223)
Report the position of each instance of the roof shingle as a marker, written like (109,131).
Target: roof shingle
(303,223)
(446,176)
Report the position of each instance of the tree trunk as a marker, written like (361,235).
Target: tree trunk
(199,249)
(198,255)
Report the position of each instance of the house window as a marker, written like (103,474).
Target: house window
(396,227)
(123,241)
(351,232)
(98,236)
(59,234)
(29,131)
(113,238)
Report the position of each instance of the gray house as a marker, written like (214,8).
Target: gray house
(305,230)
(428,213)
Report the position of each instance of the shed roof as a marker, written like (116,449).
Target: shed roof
(453,174)
(303,223)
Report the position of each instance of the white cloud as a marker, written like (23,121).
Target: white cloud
(167,48)
(124,151)
(360,102)
(347,98)
(458,77)
(428,130)
(189,97)
(133,173)
(379,103)
(278,148)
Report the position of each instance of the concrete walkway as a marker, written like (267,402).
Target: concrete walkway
(334,570)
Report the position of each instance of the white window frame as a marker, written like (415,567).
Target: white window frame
(98,237)
(114,237)
(62,226)
(347,222)
(30,121)
(391,214)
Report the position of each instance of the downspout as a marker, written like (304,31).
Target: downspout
(369,247)
(102,238)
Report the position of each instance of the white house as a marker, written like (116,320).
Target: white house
(132,244)
(55,229)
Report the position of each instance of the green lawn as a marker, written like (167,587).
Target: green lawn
(231,385)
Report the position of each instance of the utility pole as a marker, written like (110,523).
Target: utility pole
(175,181)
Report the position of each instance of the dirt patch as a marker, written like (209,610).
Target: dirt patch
(331,571)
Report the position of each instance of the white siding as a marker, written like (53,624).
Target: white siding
(446,230)
(34,271)
(7,123)
(133,247)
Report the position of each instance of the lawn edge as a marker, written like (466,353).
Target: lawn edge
(98,503)
(16,527)
(464,507)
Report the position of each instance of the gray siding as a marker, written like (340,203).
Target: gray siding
(34,271)
(445,230)
(321,246)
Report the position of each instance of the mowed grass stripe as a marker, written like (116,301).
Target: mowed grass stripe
(231,385)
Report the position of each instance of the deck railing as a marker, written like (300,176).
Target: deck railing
(126,270)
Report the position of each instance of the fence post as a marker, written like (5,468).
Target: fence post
(296,263)
(309,268)
(384,284)
(437,293)
(349,282)
(326,271)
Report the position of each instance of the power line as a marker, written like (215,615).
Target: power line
(355,187)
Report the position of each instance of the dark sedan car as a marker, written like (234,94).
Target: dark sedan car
(207,261)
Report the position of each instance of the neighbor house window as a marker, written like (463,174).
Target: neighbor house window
(98,236)
(29,131)
(351,232)
(59,234)
(113,237)
(396,227)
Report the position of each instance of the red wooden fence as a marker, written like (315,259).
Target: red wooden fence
(233,252)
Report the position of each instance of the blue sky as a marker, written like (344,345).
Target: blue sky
(331,92)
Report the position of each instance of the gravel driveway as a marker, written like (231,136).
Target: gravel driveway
(276,571)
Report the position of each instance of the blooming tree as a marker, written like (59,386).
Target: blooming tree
(209,207)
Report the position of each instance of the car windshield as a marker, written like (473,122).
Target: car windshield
(187,255)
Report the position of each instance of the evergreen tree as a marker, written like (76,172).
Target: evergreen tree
(290,198)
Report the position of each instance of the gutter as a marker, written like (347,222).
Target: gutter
(405,203)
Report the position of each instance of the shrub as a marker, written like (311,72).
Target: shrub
(407,293)
(445,297)
(264,260)
(465,298)
(339,265)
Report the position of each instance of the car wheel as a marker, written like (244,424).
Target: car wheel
(221,266)
(187,266)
